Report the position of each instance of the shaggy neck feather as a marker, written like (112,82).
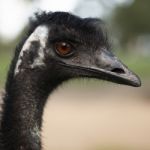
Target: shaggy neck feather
(23,110)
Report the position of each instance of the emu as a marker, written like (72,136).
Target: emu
(58,46)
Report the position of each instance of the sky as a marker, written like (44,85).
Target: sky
(14,14)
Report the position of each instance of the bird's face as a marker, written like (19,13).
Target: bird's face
(72,47)
(84,53)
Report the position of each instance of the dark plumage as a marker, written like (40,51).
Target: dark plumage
(58,47)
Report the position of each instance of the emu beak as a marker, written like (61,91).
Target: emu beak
(103,66)
(110,68)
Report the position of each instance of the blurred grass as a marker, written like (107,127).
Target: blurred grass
(5,58)
(137,63)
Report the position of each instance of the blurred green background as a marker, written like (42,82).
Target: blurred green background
(128,22)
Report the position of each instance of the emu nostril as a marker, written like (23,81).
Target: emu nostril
(118,70)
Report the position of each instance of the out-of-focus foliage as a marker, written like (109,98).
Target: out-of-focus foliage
(133,20)
(7,49)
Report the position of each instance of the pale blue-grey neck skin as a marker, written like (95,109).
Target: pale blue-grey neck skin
(36,40)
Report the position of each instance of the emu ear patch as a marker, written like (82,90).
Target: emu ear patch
(39,36)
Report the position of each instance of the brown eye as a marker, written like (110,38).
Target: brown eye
(63,48)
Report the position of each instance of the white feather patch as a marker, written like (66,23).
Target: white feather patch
(35,132)
(40,35)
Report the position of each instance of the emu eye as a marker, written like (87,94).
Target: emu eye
(63,48)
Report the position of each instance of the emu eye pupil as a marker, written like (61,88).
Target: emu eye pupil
(63,48)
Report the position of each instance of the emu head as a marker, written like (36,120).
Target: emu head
(65,46)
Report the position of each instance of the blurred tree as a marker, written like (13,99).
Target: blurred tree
(132,20)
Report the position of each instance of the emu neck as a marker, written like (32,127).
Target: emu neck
(23,110)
